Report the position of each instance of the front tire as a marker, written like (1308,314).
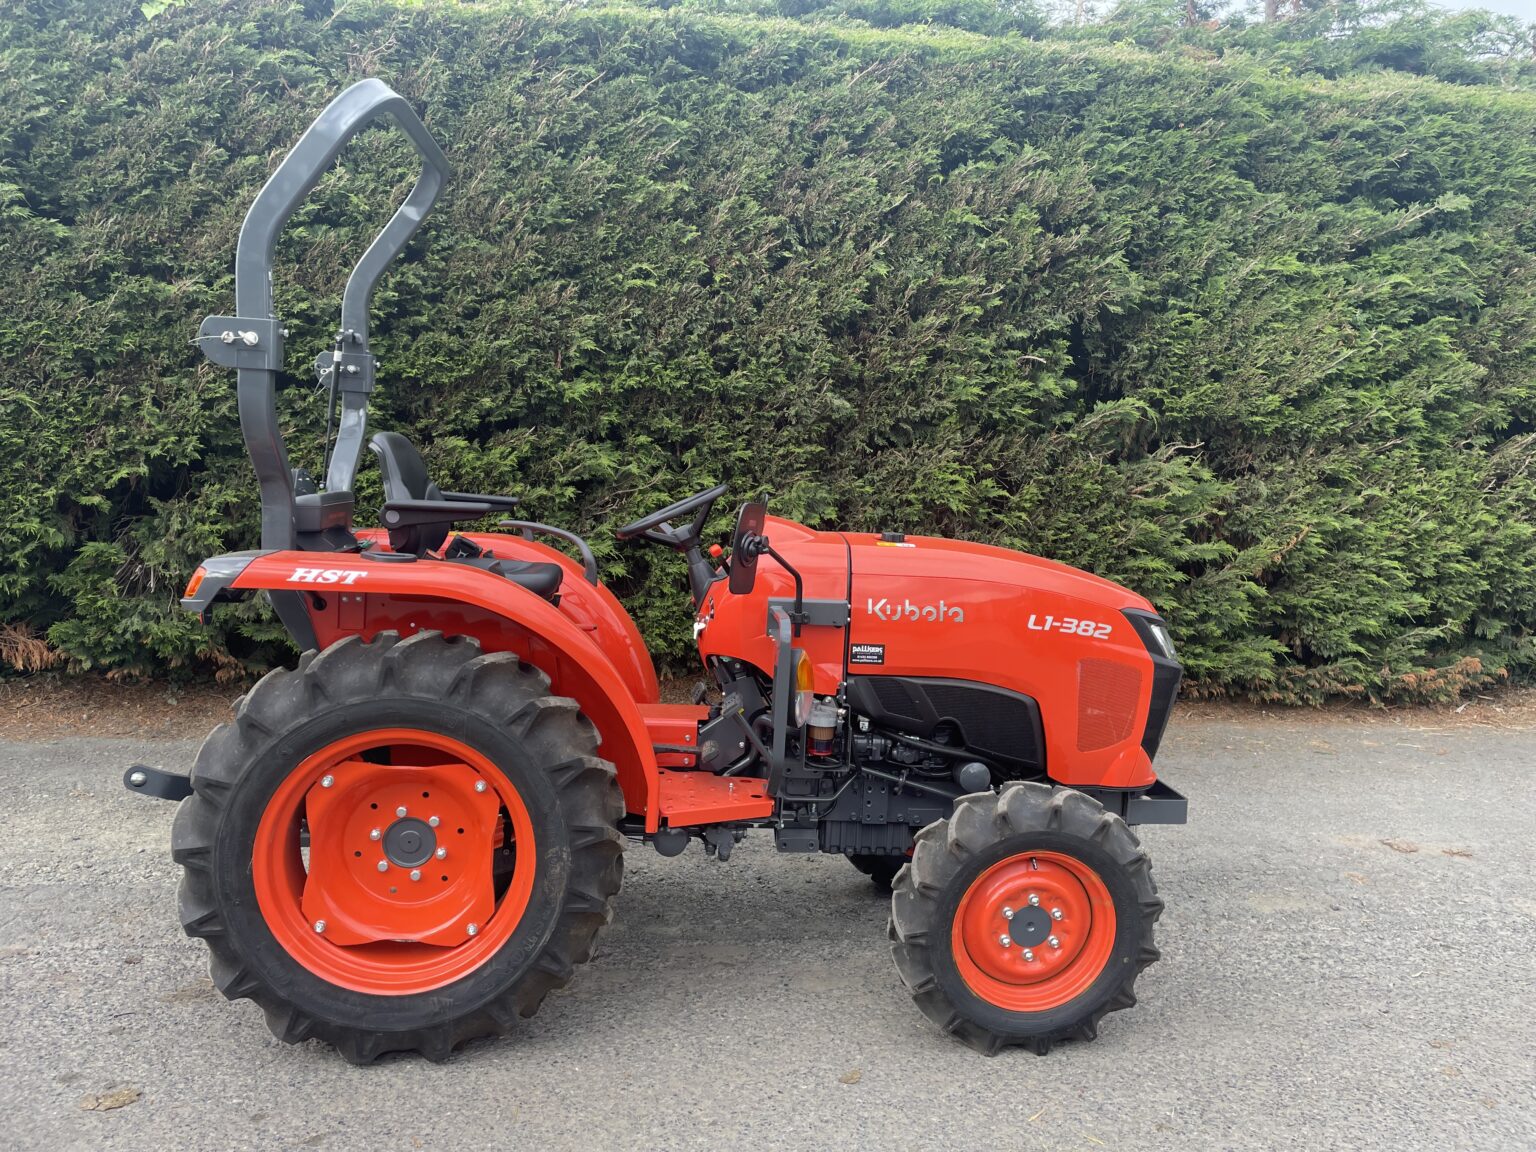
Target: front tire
(462,845)
(1024,918)
(881,870)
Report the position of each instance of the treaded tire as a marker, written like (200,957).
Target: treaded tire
(983,830)
(881,870)
(493,702)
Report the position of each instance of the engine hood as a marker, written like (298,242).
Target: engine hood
(921,558)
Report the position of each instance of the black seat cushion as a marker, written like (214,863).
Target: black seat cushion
(540,578)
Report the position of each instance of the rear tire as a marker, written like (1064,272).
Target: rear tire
(1046,864)
(490,711)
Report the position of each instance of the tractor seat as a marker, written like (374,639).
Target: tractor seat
(535,575)
(406,480)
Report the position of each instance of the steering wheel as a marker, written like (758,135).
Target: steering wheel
(656,529)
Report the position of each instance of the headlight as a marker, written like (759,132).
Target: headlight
(804,695)
(1159,632)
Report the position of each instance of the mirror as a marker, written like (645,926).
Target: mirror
(749,525)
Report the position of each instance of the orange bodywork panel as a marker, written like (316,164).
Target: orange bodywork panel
(591,607)
(348,594)
(677,725)
(951,610)
(689,798)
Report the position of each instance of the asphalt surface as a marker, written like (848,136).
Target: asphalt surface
(1319,988)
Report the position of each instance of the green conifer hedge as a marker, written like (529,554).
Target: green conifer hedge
(1251,336)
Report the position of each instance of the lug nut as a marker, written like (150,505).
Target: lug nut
(400,811)
(1055,913)
(479,785)
(375,834)
(1005,941)
(319,925)
(1028,955)
(1053,942)
(383,865)
(1007,913)
(473,929)
(327,780)
(1034,901)
(441,853)
(415,873)
(433,821)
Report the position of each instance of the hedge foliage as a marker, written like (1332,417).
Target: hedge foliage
(1240,316)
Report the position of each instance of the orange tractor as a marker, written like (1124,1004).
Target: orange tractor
(412,837)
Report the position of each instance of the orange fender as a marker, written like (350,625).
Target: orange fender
(593,608)
(346,595)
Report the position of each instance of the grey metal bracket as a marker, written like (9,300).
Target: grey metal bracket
(354,372)
(157,782)
(817,613)
(242,342)
(1158,804)
(354,369)
(782,634)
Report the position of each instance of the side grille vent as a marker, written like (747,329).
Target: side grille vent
(1107,694)
(997,723)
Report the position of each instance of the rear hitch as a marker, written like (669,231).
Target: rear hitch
(720,839)
(157,782)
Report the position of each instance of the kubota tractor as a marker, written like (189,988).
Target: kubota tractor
(413,836)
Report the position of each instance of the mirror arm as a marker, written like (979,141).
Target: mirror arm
(797,613)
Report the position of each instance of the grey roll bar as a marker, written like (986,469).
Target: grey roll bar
(252,341)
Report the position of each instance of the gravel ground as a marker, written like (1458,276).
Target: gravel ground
(1347,963)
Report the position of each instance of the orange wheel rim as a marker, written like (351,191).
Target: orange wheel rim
(1033,931)
(397,892)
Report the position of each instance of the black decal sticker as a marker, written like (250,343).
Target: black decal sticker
(867,654)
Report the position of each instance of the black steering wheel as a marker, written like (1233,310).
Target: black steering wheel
(656,529)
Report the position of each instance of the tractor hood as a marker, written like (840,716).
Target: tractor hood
(894,556)
(917,565)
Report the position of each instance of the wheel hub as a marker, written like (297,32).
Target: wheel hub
(400,852)
(1033,930)
(409,842)
(1029,927)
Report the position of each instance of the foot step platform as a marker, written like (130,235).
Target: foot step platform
(690,798)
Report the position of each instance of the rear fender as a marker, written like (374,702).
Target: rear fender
(352,595)
(593,608)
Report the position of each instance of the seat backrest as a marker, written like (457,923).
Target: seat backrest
(405,472)
(405,478)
